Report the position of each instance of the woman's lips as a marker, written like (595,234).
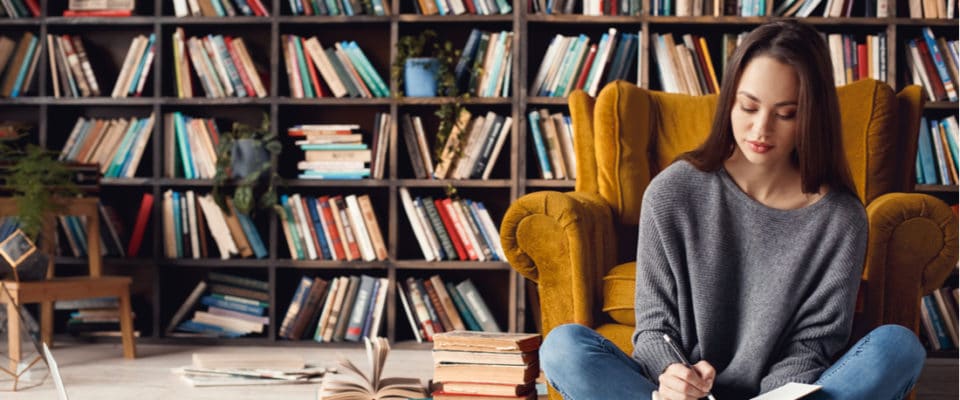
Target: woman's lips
(759,147)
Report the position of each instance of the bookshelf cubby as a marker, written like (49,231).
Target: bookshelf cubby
(162,284)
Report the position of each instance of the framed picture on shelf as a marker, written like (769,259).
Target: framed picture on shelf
(16,248)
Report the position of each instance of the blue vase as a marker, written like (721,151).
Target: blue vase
(420,77)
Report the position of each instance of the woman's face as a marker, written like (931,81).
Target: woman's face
(764,115)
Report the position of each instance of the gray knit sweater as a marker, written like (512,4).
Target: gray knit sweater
(764,295)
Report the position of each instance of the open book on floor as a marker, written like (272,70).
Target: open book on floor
(350,383)
(790,391)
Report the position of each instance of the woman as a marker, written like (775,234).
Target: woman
(750,253)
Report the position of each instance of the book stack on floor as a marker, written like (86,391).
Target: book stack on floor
(337,151)
(245,368)
(235,306)
(485,365)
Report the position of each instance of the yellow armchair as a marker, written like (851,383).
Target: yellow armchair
(580,247)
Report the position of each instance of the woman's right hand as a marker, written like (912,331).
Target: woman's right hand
(679,382)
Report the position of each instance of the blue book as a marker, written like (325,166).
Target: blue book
(332,7)
(199,327)
(244,7)
(219,8)
(359,309)
(342,175)
(81,137)
(378,83)
(232,305)
(544,161)
(318,226)
(253,236)
(129,138)
(347,8)
(951,142)
(919,167)
(937,57)
(925,152)
(229,64)
(294,232)
(462,308)
(25,66)
(305,82)
(141,65)
(372,309)
(177,229)
(487,237)
(937,321)
(940,154)
(183,144)
(295,308)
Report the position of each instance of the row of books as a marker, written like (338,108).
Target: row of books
(116,144)
(452,229)
(941,9)
(112,229)
(938,158)
(485,64)
(98,316)
(18,60)
(571,63)
(433,306)
(470,151)
(70,67)
(337,151)
(588,7)
(685,67)
(20,8)
(190,146)
(99,8)
(222,64)
(485,366)
(190,221)
(853,60)
(458,7)
(553,141)
(345,69)
(346,308)
(782,8)
(938,319)
(135,69)
(331,228)
(219,8)
(932,63)
(235,306)
(340,7)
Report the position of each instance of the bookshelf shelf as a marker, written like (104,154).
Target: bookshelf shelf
(452,265)
(377,36)
(465,183)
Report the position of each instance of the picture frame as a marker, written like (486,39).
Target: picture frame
(16,248)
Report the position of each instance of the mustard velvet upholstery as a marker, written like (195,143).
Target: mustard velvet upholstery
(568,242)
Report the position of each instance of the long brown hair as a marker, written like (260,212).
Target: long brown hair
(819,154)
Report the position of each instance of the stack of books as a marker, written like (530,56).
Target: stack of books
(458,7)
(222,63)
(92,317)
(247,368)
(340,7)
(219,8)
(99,8)
(236,306)
(433,307)
(337,151)
(553,141)
(331,228)
(485,366)
(344,67)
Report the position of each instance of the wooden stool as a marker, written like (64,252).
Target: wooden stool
(54,289)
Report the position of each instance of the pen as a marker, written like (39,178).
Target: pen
(679,354)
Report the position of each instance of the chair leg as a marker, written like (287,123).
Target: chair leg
(126,326)
(46,323)
(13,336)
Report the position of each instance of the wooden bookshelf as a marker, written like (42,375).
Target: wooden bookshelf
(162,284)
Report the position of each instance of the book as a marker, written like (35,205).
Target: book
(486,373)
(486,389)
(350,383)
(789,391)
(483,357)
(247,360)
(443,395)
(487,341)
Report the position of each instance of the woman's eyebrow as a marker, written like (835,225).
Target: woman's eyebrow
(754,98)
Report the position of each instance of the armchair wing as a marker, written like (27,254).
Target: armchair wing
(565,243)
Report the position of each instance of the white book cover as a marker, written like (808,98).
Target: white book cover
(415,224)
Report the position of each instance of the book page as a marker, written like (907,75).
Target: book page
(790,391)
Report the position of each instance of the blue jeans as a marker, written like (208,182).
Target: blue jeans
(581,364)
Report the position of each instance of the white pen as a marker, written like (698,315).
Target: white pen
(679,354)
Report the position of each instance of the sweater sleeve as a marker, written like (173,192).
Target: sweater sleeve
(655,302)
(825,319)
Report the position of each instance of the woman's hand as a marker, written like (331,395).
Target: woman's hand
(681,383)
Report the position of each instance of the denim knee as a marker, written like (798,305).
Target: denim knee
(562,346)
(903,347)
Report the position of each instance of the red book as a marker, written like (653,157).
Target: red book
(451,229)
(143,217)
(331,227)
(258,8)
(239,66)
(470,6)
(98,13)
(34,7)
(926,63)
(586,67)
(353,249)
(863,62)
(313,71)
(462,229)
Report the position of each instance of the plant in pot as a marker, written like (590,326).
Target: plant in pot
(423,74)
(34,177)
(246,159)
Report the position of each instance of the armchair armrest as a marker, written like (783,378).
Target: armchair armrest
(911,250)
(565,243)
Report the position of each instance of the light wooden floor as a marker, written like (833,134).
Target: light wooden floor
(98,372)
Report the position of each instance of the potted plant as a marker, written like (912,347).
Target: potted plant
(413,69)
(246,157)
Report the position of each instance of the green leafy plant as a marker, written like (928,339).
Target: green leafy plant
(410,46)
(261,174)
(35,177)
